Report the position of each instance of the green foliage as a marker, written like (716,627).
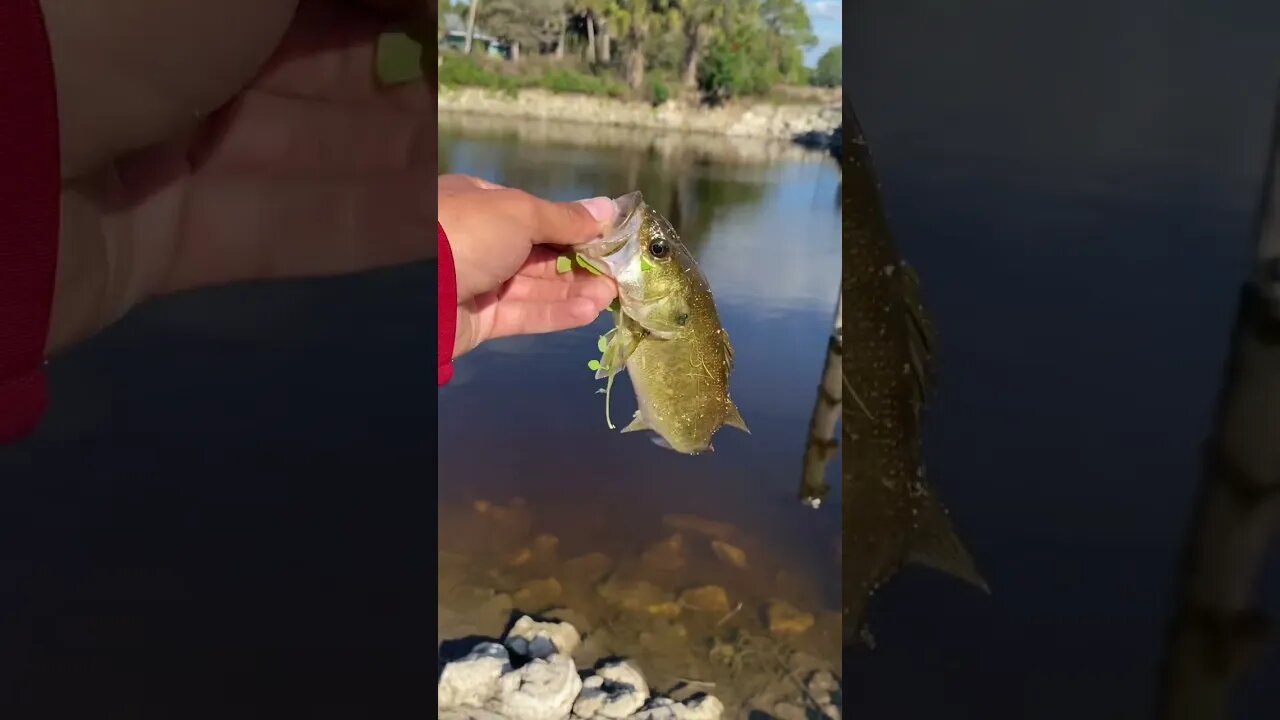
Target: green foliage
(570,81)
(732,48)
(829,71)
(737,64)
(456,69)
(659,91)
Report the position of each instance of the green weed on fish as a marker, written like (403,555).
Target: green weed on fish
(399,59)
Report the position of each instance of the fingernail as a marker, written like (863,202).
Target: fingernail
(601,208)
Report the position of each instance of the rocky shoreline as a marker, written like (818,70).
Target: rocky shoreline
(791,122)
(699,608)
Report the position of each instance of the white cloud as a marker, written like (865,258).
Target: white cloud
(826,10)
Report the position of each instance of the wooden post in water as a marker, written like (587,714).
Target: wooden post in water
(1218,629)
(821,445)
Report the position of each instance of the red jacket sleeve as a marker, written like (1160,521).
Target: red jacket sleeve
(447,309)
(30,190)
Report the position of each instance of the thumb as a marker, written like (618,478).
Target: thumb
(571,223)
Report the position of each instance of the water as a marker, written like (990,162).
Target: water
(1076,187)
(522,418)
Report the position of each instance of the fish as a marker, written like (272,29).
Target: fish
(667,333)
(891,514)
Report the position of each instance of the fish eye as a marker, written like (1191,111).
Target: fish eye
(659,249)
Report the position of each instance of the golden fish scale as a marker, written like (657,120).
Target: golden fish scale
(684,380)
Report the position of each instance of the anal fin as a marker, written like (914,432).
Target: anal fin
(637,423)
(733,418)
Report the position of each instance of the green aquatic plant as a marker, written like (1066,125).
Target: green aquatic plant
(604,342)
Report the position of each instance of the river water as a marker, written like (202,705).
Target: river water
(524,448)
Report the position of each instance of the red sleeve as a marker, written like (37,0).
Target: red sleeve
(447,310)
(30,190)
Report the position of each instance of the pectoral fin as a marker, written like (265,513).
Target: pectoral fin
(733,418)
(934,544)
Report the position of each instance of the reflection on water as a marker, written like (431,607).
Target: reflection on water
(524,449)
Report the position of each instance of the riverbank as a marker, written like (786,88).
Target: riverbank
(672,146)
(771,121)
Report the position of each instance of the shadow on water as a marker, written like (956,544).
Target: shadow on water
(542,508)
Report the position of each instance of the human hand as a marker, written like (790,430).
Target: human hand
(206,143)
(507,279)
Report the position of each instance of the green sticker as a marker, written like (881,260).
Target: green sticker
(563,264)
(645,264)
(593,365)
(603,343)
(399,59)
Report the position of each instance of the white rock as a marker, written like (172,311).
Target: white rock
(473,679)
(615,691)
(534,639)
(659,709)
(468,713)
(705,707)
(541,690)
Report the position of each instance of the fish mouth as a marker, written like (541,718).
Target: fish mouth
(619,234)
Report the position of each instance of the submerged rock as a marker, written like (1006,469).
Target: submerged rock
(635,595)
(538,594)
(708,598)
(665,555)
(473,679)
(615,691)
(785,619)
(545,547)
(534,639)
(731,554)
(822,683)
(587,569)
(694,523)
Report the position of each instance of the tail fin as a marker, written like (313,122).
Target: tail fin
(933,543)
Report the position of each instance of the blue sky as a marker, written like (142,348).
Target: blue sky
(827,18)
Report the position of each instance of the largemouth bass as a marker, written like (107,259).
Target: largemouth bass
(667,332)
(890,514)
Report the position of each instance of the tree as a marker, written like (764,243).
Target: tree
(534,23)
(471,26)
(637,21)
(829,71)
(791,32)
(700,19)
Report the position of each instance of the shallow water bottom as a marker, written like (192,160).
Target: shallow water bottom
(698,606)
